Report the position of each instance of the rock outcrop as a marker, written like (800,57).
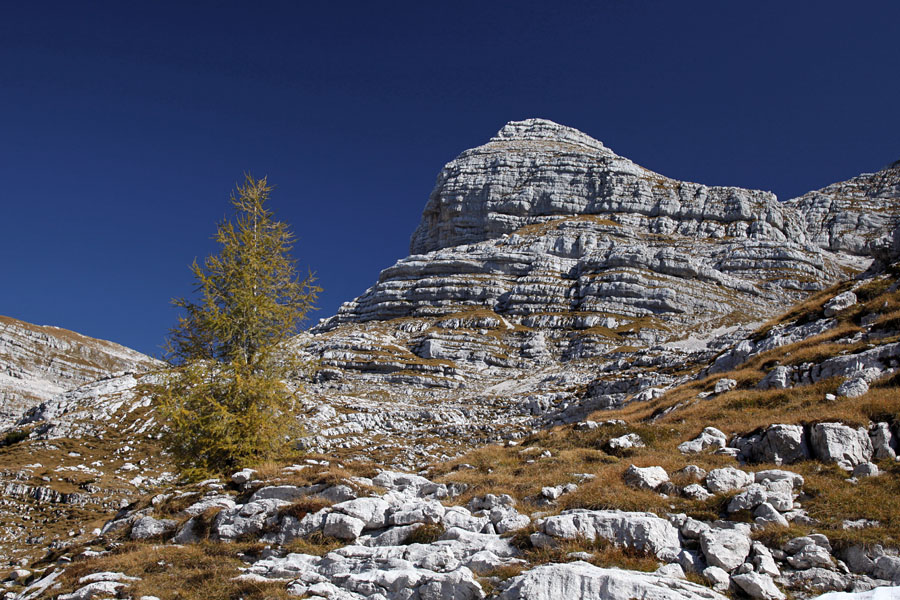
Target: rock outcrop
(858,216)
(38,363)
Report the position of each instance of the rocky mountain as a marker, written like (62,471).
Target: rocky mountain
(587,364)
(550,277)
(38,363)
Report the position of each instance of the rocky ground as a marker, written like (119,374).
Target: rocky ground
(582,383)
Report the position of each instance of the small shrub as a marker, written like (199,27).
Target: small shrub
(13,437)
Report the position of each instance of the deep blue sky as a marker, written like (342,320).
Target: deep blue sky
(124,126)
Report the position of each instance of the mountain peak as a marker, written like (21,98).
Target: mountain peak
(547,131)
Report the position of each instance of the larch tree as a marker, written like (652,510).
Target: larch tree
(225,402)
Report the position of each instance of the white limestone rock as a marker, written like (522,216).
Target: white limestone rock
(646,478)
(710,437)
(840,302)
(695,491)
(643,531)
(625,442)
(584,580)
(727,479)
(148,527)
(371,511)
(778,378)
(718,578)
(866,469)
(207,503)
(795,479)
(766,514)
(884,442)
(854,216)
(758,586)
(724,385)
(778,443)
(243,476)
(342,526)
(246,519)
(853,388)
(838,443)
(888,568)
(725,548)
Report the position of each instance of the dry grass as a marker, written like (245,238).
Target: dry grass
(195,572)
(829,498)
(426,534)
(316,544)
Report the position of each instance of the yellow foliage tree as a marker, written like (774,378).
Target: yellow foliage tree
(224,403)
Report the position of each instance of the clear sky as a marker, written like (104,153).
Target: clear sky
(124,125)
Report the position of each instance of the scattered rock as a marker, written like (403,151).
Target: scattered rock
(838,303)
(148,527)
(647,478)
(838,443)
(725,548)
(727,479)
(724,385)
(710,437)
(759,586)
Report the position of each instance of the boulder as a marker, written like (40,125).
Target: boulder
(854,387)
(888,568)
(779,444)
(795,479)
(246,519)
(865,469)
(724,385)
(646,478)
(858,560)
(285,493)
(759,586)
(884,442)
(210,502)
(342,526)
(816,578)
(148,527)
(727,479)
(763,561)
(243,476)
(749,499)
(695,491)
(725,548)
(642,531)
(811,555)
(625,442)
(778,378)
(838,443)
(766,514)
(371,511)
(838,303)
(718,578)
(584,580)
(457,516)
(710,437)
